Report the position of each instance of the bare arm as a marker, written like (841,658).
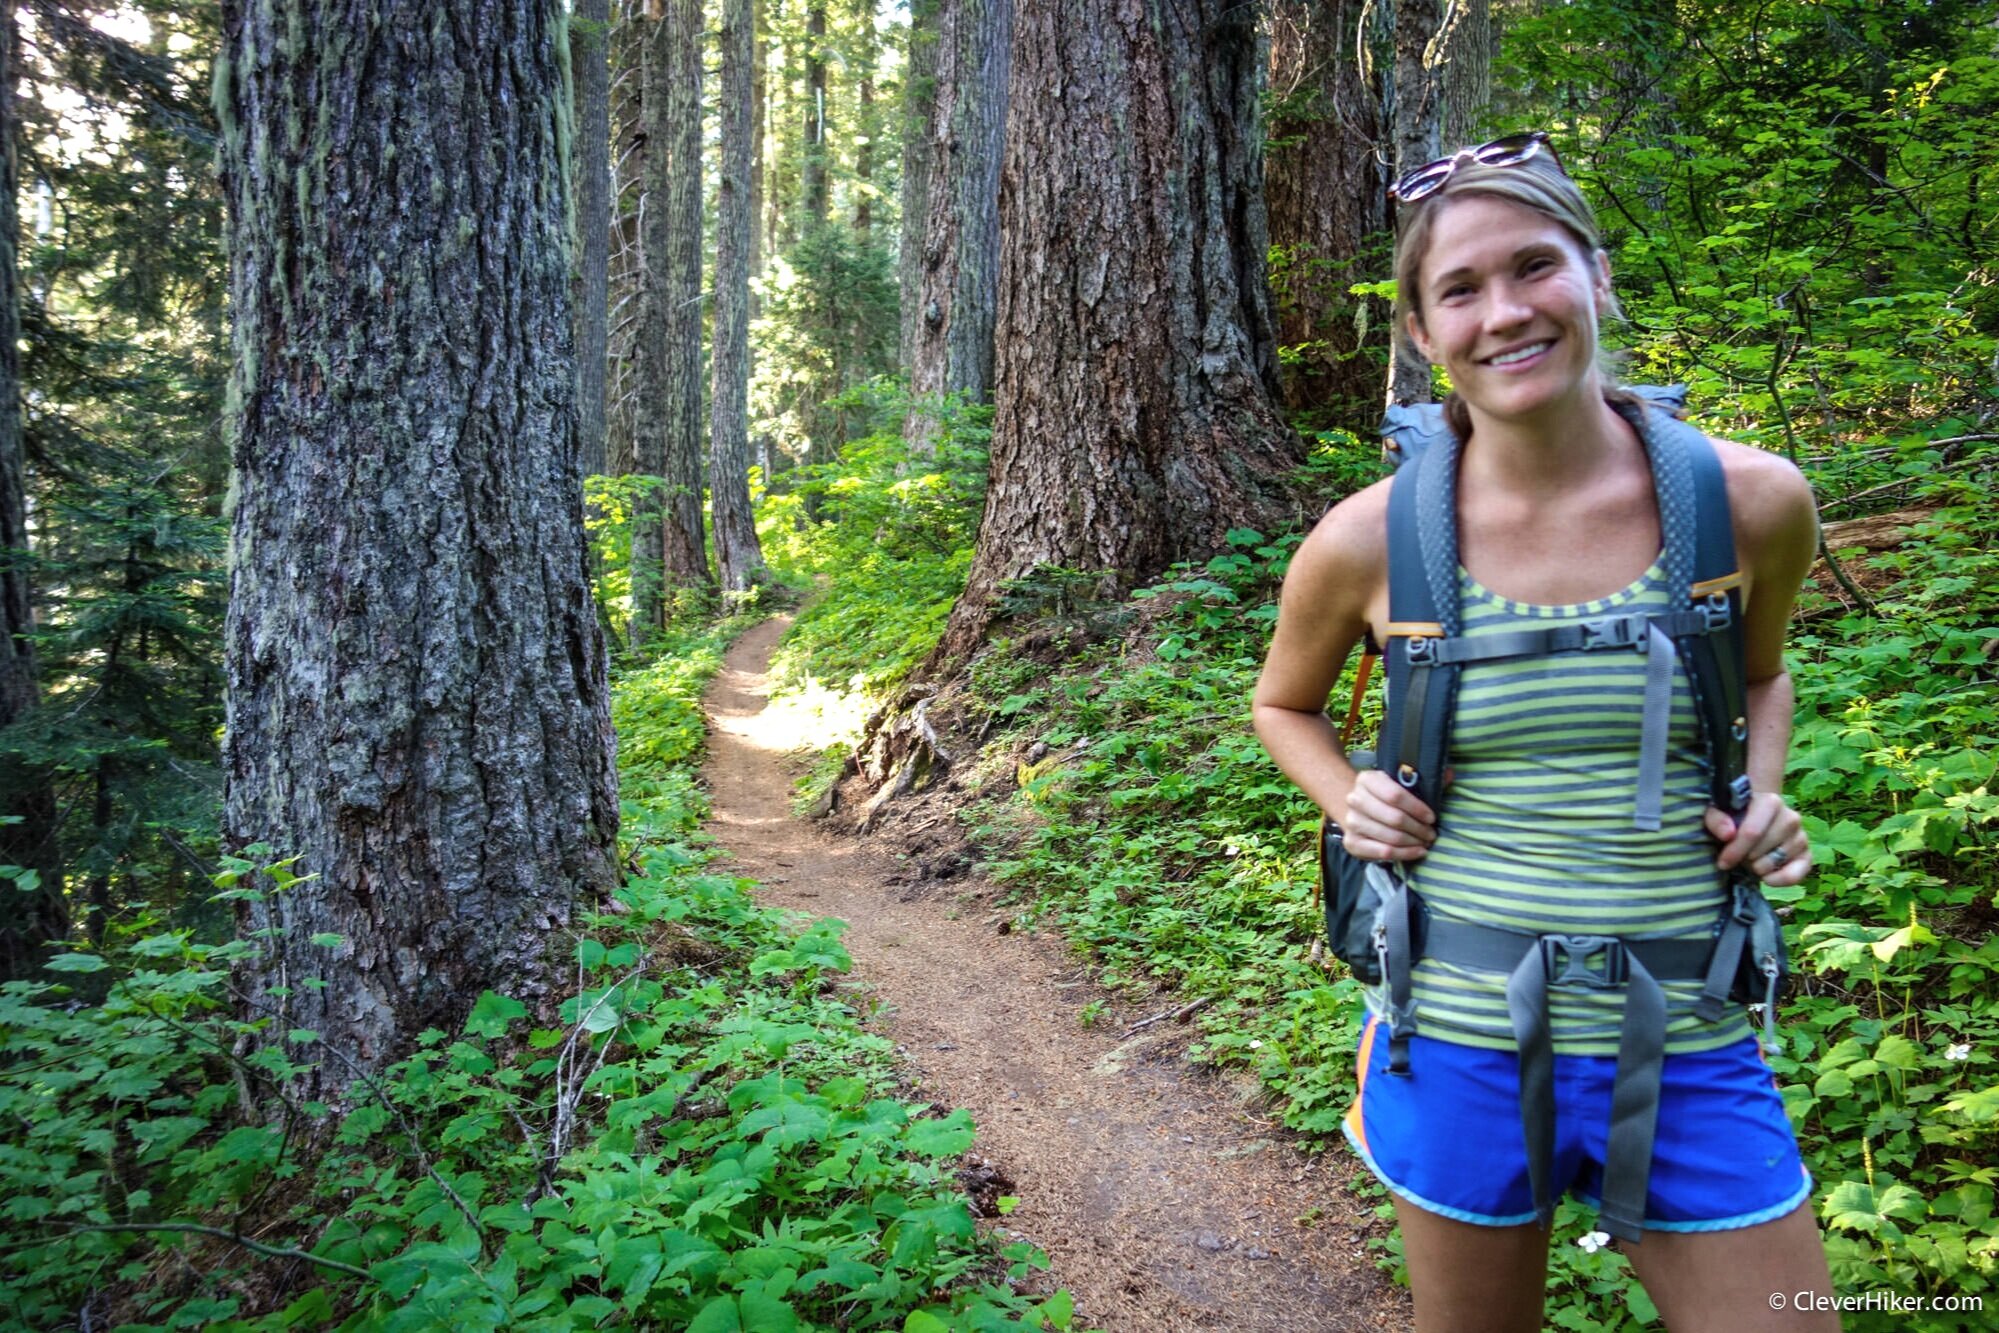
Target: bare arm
(1336,587)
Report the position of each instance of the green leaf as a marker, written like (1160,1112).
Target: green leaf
(941,1138)
(491,1015)
(1897,1052)
(717,1316)
(76,962)
(922,1321)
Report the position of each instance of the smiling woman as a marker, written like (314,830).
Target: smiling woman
(1578,826)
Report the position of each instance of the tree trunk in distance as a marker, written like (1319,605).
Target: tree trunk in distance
(683,383)
(630,34)
(759,91)
(1443,62)
(957,298)
(590,53)
(417,704)
(919,96)
(866,58)
(28,920)
(739,557)
(1136,416)
(1417,107)
(1328,200)
(814,190)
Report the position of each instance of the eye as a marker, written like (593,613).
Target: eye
(1454,291)
(1539,264)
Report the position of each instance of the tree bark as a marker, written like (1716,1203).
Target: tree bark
(590,51)
(417,704)
(1328,200)
(919,96)
(814,190)
(29,920)
(866,57)
(759,93)
(1135,413)
(669,409)
(957,300)
(630,38)
(1443,62)
(737,553)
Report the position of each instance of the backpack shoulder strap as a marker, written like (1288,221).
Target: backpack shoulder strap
(1422,610)
(1694,511)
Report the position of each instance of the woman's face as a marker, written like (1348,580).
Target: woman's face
(1507,302)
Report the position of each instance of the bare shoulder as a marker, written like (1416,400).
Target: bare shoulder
(1774,512)
(1349,546)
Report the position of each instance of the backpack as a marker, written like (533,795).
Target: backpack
(1378,925)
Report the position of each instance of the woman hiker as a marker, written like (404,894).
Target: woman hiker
(1502,281)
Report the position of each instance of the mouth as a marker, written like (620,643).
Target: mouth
(1517,355)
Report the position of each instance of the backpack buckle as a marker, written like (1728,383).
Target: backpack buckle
(1614,632)
(1422,650)
(1565,961)
(1716,614)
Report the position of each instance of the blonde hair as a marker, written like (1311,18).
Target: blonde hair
(1539,185)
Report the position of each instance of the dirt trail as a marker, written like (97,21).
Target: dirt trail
(1162,1203)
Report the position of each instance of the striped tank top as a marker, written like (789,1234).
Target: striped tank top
(1536,831)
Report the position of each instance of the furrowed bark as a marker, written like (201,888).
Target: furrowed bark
(417,705)
(1135,417)
(737,553)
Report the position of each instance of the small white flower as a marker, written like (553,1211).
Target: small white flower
(1256,1046)
(1958,1051)
(1230,849)
(1594,1241)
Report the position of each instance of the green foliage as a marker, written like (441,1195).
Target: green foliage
(701,1137)
(893,535)
(828,325)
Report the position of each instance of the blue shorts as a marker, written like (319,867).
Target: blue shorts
(1447,1137)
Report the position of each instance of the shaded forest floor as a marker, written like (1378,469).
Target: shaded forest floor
(1162,1200)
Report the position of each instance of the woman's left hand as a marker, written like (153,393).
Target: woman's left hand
(1770,840)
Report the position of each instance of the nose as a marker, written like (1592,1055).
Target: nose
(1505,308)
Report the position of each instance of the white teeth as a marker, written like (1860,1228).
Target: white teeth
(1508,358)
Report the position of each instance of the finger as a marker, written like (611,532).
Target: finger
(1793,871)
(1389,822)
(1389,792)
(1720,826)
(1751,832)
(1379,849)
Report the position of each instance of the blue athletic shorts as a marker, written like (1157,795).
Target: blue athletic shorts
(1447,1137)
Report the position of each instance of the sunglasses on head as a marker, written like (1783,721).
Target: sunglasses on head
(1507,151)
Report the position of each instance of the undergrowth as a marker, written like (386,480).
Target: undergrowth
(703,1139)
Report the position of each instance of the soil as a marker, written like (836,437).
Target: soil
(1162,1200)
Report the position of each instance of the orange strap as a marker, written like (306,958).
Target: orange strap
(1360,680)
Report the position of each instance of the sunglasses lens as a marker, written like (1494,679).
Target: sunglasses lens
(1508,152)
(1422,181)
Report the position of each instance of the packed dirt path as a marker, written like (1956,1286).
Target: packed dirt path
(1163,1203)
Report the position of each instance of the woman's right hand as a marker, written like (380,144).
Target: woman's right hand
(1381,820)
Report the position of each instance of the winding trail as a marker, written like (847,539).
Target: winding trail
(1160,1199)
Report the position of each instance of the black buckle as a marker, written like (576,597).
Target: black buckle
(1716,612)
(1614,632)
(1742,903)
(1422,650)
(1565,961)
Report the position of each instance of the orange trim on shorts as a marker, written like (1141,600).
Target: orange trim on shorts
(1356,1126)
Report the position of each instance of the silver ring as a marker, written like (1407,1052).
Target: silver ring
(1776,856)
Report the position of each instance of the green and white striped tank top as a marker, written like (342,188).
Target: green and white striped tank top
(1536,831)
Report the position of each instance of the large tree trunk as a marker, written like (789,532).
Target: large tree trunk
(759,93)
(736,549)
(628,308)
(1328,199)
(417,706)
(866,57)
(958,297)
(814,189)
(28,919)
(919,96)
(1135,409)
(590,52)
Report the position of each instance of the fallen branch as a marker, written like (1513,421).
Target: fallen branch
(1180,1015)
(195,1228)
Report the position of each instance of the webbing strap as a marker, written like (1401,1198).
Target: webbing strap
(1653,731)
(1637,632)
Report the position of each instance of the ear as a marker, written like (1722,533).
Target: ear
(1602,284)
(1414,323)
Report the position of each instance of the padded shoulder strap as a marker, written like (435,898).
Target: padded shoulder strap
(1694,503)
(1423,606)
